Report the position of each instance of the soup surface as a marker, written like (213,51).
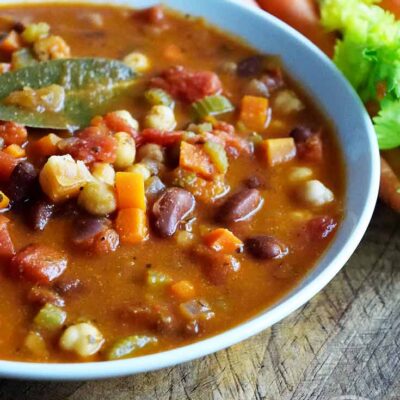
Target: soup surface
(152,201)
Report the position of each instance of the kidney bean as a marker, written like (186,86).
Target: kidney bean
(171,208)
(154,187)
(255,182)
(301,134)
(240,206)
(41,295)
(22,182)
(38,263)
(273,80)
(320,228)
(86,229)
(265,247)
(40,213)
(250,66)
(66,287)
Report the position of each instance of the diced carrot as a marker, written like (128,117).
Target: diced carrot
(254,112)
(183,290)
(222,240)
(4,201)
(278,151)
(7,165)
(194,158)
(172,52)
(47,145)
(15,151)
(130,190)
(131,225)
(11,42)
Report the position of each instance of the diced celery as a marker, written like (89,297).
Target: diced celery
(217,155)
(212,105)
(127,346)
(156,279)
(23,58)
(34,32)
(50,317)
(157,97)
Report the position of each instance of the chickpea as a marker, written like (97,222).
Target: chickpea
(126,150)
(104,172)
(298,174)
(151,151)
(98,198)
(315,193)
(83,338)
(141,169)
(51,48)
(137,61)
(127,117)
(160,117)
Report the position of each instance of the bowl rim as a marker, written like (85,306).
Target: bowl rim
(266,318)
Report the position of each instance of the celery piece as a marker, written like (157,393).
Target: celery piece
(217,155)
(127,346)
(34,32)
(50,317)
(157,97)
(212,105)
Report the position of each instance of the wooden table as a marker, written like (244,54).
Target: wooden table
(342,345)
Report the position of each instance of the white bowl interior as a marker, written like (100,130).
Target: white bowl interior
(309,66)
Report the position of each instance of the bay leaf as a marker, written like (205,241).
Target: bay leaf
(90,84)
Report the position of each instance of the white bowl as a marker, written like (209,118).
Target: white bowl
(326,85)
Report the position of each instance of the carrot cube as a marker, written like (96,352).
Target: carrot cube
(278,151)
(130,190)
(222,240)
(254,112)
(183,290)
(131,225)
(47,145)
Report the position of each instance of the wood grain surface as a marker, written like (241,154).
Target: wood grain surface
(343,345)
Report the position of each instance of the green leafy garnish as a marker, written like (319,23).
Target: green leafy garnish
(91,85)
(368,54)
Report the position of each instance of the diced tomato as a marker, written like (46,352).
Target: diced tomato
(13,133)
(38,263)
(6,245)
(156,136)
(91,145)
(186,85)
(320,228)
(311,149)
(234,141)
(7,165)
(117,124)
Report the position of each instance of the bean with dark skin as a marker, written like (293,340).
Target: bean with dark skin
(301,134)
(22,182)
(240,206)
(255,182)
(40,213)
(86,229)
(171,208)
(66,287)
(265,247)
(250,66)
(40,295)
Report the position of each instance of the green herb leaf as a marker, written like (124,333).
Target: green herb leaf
(91,85)
(387,125)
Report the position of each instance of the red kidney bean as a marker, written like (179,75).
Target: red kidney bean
(241,206)
(22,182)
(301,134)
(250,66)
(42,295)
(86,229)
(265,247)
(171,208)
(40,214)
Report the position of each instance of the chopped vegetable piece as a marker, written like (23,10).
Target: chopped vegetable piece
(183,290)
(160,117)
(15,151)
(160,137)
(196,309)
(223,240)
(4,201)
(84,339)
(128,346)
(131,225)
(50,317)
(212,105)
(47,145)
(139,62)
(254,112)
(97,198)
(157,97)
(22,58)
(51,48)
(157,279)
(130,190)
(194,158)
(11,42)
(6,245)
(35,343)
(7,165)
(38,263)
(34,32)
(62,177)
(217,155)
(104,172)
(278,151)
(13,133)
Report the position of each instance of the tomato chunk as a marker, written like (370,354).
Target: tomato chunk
(38,263)
(162,138)
(91,145)
(186,85)
(13,133)
(6,245)
(7,165)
